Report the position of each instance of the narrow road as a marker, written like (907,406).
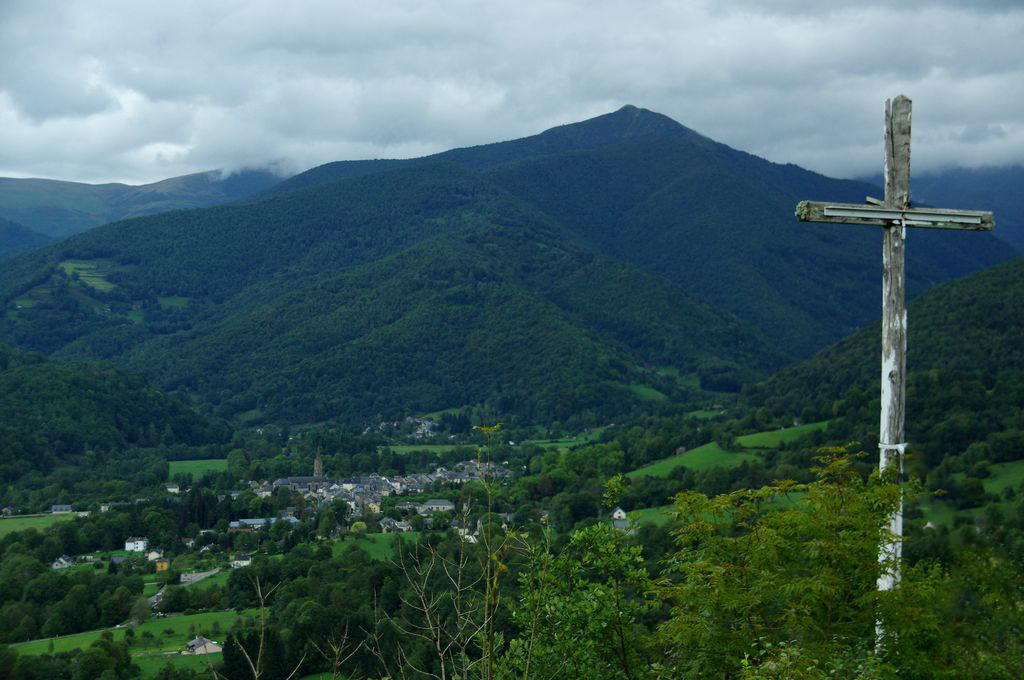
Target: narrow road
(196,576)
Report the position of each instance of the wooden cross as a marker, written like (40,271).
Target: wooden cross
(893,214)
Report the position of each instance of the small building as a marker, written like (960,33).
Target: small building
(241,560)
(154,555)
(618,513)
(173,488)
(162,564)
(388,525)
(136,544)
(59,509)
(436,505)
(62,562)
(201,645)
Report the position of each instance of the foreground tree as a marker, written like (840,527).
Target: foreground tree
(780,582)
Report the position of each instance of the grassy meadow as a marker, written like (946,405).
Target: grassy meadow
(90,272)
(701,458)
(379,546)
(658,516)
(196,468)
(218,579)
(38,522)
(712,455)
(772,438)
(170,633)
(646,392)
(151,664)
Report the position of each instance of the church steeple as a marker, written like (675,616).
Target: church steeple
(318,464)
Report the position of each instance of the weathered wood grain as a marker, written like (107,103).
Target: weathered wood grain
(894,324)
(882,216)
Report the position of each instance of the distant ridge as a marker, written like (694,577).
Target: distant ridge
(999,189)
(57,208)
(16,238)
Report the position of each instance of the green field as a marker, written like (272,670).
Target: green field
(705,414)
(379,546)
(431,448)
(160,642)
(436,415)
(566,443)
(1003,476)
(701,458)
(218,579)
(569,442)
(196,468)
(711,454)
(172,302)
(646,392)
(658,516)
(691,381)
(39,522)
(150,665)
(90,272)
(772,438)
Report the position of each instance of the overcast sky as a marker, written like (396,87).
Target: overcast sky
(138,91)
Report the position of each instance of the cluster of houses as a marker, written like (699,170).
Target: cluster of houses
(364,494)
(133,544)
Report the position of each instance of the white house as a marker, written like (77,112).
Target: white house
(241,560)
(136,544)
(618,513)
(62,562)
(201,645)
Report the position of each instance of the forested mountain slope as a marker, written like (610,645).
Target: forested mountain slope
(639,187)
(58,208)
(55,413)
(15,238)
(414,290)
(719,223)
(965,365)
(544,277)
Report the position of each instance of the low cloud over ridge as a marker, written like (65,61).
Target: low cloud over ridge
(124,91)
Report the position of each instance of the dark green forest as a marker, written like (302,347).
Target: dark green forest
(615,248)
(57,209)
(15,238)
(69,429)
(965,382)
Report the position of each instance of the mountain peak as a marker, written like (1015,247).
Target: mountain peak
(628,121)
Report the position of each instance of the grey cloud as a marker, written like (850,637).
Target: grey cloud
(137,92)
(980,133)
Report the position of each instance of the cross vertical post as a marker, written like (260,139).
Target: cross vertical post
(894,324)
(894,215)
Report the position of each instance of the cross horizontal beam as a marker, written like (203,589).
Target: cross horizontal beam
(881,216)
